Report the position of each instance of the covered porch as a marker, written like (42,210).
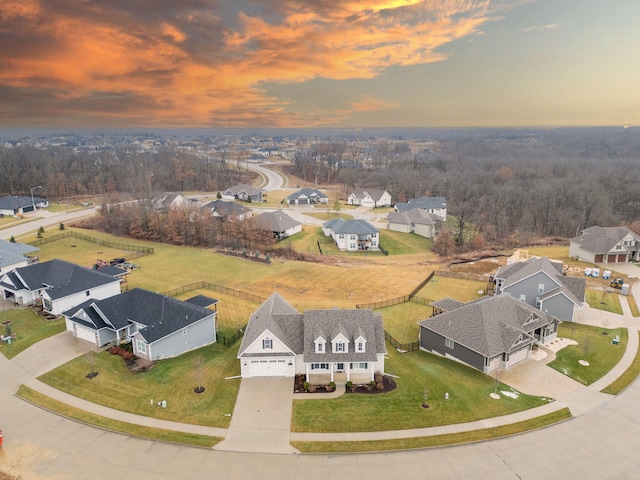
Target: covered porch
(339,372)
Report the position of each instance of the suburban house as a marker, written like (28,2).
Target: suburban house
(434,205)
(157,325)
(171,200)
(325,345)
(231,211)
(416,221)
(307,196)
(243,192)
(281,224)
(487,334)
(370,198)
(15,255)
(59,284)
(605,245)
(539,282)
(13,205)
(352,235)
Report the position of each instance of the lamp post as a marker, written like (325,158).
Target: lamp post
(33,203)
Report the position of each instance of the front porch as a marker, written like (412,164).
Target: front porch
(339,372)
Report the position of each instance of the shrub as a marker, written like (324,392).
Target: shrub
(313,388)
(115,350)
(126,355)
(380,386)
(61,226)
(378,377)
(306,386)
(349,384)
(372,383)
(41,229)
(12,239)
(333,385)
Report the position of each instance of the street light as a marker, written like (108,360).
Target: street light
(33,203)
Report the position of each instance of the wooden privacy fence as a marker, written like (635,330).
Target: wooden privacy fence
(395,301)
(135,250)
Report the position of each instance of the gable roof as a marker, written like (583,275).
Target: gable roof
(59,278)
(226,208)
(424,203)
(572,287)
(277,221)
(356,226)
(415,216)
(280,318)
(490,326)
(158,315)
(16,248)
(202,301)
(308,193)
(15,202)
(601,240)
(242,187)
(375,195)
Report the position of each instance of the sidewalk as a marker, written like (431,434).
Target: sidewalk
(251,432)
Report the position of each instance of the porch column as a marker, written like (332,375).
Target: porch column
(348,369)
(333,367)
(307,374)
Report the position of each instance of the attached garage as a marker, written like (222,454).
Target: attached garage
(599,258)
(268,367)
(518,356)
(612,258)
(622,257)
(84,333)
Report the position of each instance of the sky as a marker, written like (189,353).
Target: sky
(320,63)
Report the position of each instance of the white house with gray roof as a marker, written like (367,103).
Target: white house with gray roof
(244,192)
(59,284)
(14,255)
(416,221)
(539,282)
(606,245)
(352,235)
(307,196)
(370,198)
(488,333)
(278,222)
(434,205)
(158,326)
(325,345)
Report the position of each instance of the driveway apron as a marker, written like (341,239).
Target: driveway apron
(261,421)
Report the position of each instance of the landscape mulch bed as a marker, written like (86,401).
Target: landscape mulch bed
(388,382)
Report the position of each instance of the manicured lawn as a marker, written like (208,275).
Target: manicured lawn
(400,321)
(115,425)
(626,378)
(329,215)
(602,355)
(305,241)
(434,440)
(554,252)
(633,305)
(398,243)
(456,288)
(600,299)
(29,328)
(401,409)
(172,380)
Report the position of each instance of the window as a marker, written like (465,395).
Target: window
(541,288)
(319,366)
(141,347)
(341,236)
(358,366)
(448,343)
(618,247)
(319,347)
(523,298)
(360,347)
(537,301)
(184,331)
(352,246)
(87,293)
(267,343)
(340,347)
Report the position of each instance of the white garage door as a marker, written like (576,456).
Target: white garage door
(268,368)
(518,356)
(85,333)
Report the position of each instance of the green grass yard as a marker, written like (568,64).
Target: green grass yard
(601,354)
(468,390)
(29,328)
(603,300)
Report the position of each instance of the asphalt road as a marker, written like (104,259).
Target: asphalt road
(45,219)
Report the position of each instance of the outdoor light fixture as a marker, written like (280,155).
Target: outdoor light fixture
(33,203)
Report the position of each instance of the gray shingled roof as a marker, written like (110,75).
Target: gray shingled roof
(307,192)
(424,203)
(357,226)
(374,194)
(226,208)
(277,221)
(490,326)
(62,278)
(447,304)
(16,248)
(160,315)
(601,240)
(13,203)
(415,215)
(241,187)
(572,287)
(202,301)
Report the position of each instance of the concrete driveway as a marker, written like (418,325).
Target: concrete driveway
(261,421)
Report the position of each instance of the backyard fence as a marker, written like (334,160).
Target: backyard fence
(227,341)
(217,288)
(406,347)
(135,250)
(398,300)
(461,275)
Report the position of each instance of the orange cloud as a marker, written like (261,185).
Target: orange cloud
(194,63)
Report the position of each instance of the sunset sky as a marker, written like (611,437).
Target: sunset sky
(319,63)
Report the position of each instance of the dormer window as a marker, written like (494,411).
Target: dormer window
(340,344)
(360,347)
(360,344)
(340,347)
(267,343)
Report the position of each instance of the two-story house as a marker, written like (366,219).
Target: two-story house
(370,198)
(325,345)
(539,282)
(605,245)
(352,235)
